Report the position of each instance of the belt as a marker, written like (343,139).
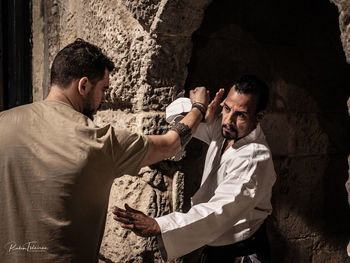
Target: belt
(257,243)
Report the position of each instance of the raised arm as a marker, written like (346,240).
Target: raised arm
(167,145)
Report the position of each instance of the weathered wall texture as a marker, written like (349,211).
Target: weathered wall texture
(294,46)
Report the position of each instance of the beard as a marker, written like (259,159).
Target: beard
(89,112)
(88,108)
(232,134)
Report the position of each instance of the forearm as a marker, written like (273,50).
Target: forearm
(192,119)
(169,144)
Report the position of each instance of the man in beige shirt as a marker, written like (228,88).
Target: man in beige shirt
(57,167)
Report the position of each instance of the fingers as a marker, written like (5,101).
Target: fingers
(116,208)
(218,96)
(123,216)
(122,220)
(215,103)
(128,226)
(128,208)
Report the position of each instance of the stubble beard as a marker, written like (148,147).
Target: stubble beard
(229,136)
(88,109)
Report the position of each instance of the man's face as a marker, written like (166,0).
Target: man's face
(239,116)
(96,96)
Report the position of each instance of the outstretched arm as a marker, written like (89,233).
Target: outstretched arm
(167,145)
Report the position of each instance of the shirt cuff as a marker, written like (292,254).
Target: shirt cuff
(176,108)
(163,225)
(161,248)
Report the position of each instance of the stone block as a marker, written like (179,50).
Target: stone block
(309,199)
(179,18)
(125,41)
(344,18)
(178,192)
(123,246)
(169,63)
(298,195)
(157,99)
(152,123)
(118,119)
(306,135)
(143,11)
(300,134)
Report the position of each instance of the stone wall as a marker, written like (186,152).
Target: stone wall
(294,46)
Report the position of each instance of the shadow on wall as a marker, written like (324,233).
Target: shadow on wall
(295,47)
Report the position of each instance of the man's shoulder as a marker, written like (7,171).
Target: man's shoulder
(18,110)
(254,151)
(255,148)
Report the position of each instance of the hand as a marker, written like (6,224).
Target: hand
(136,221)
(200,95)
(214,107)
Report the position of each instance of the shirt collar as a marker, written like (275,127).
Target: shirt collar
(252,136)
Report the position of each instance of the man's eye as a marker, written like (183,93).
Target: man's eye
(241,115)
(226,108)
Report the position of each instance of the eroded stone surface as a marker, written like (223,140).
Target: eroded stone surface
(344,22)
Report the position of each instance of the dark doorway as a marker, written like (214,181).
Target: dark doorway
(295,47)
(15,53)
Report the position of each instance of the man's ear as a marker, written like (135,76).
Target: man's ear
(260,115)
(84,86)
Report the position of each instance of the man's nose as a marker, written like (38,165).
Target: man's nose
(232,117)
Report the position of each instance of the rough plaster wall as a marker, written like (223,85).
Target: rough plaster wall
(150,43)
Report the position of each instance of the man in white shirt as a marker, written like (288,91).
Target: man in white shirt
(229,209)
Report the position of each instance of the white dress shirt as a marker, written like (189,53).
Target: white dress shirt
(234,197)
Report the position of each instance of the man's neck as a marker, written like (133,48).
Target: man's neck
(63,95)
(227,145)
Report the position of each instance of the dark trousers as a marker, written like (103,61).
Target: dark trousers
(256,245)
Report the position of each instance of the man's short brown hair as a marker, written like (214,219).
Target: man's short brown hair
(79,59)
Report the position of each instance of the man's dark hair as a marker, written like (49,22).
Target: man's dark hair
(250,84)
(79,59)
